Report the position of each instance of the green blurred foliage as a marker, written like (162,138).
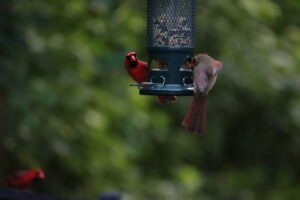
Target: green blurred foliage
(65,103)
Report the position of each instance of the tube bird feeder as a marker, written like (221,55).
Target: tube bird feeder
(170,43)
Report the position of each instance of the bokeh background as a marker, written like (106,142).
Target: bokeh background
(66,105)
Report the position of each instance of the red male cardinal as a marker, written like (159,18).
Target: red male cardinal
(23,179)
(206,70)
(139,71)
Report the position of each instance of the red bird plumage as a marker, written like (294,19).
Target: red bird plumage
(139,71)
(23,179)
(206,70)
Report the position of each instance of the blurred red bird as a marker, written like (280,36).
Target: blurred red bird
(139,71)
(23,179)
(206,70)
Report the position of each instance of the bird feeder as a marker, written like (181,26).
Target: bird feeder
(170,44)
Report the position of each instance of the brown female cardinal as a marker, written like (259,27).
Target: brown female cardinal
(139,71)
(206,70)
(23,179)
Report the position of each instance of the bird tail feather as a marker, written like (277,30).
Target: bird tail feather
(195,119)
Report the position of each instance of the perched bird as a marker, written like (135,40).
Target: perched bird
(139,71)
(23,179)
(206,70)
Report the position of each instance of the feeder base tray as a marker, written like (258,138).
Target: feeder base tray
(165,89)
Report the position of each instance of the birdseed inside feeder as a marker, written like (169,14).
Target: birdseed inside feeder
(170,43)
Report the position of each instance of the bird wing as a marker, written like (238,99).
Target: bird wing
(200,80)
(217,67)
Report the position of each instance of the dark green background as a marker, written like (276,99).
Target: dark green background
(65,103)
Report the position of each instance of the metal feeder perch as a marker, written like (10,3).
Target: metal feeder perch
(170,43)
